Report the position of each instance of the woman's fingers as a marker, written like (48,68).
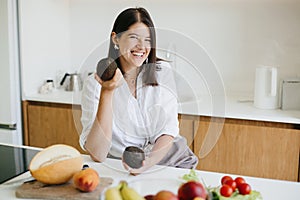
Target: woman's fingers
(98,79)
(134,171)
(115,82)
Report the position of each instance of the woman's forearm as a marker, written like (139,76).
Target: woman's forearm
(99,139)
(160,149)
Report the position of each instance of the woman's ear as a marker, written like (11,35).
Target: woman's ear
(114,37)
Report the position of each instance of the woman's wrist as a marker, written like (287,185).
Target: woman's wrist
(149,162)
(106,92)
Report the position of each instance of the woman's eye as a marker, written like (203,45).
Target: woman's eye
(134,37)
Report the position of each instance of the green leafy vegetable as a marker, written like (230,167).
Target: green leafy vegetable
(254,195)
(192,176)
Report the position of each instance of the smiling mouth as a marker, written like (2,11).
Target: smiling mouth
(139,54)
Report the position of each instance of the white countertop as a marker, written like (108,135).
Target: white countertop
(56,96)
(237,107)
(168,177)
(231,106)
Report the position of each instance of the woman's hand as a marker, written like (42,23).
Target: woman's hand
(161,147)
(112,84)
(134,171)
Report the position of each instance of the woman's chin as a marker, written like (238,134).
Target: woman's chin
(138,61)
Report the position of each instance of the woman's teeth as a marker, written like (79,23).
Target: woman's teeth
(138,54)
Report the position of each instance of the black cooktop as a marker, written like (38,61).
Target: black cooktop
(14,161)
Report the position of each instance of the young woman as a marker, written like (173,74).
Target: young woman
(138,106)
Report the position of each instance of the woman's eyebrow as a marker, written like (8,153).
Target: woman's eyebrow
(135,34)
(132,34)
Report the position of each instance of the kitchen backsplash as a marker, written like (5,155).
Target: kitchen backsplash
(233,37)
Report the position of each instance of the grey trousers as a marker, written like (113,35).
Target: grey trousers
(180,155)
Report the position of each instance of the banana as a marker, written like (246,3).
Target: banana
(129,193)
(113,193)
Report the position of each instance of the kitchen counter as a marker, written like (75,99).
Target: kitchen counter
(237,107)
(57,96)
(270,189)
(232,106)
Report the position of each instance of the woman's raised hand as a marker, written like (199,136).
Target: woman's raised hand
(112,84)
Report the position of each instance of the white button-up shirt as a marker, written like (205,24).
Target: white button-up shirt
(136,121)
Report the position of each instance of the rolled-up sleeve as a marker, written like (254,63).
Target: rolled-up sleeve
(89,105)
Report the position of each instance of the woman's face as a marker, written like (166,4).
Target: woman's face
(134,45)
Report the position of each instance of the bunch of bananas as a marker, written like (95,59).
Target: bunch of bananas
(122,192)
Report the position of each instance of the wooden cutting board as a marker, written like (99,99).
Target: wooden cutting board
(37,190)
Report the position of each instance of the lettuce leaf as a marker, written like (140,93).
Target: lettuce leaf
(254,195)
(192,176)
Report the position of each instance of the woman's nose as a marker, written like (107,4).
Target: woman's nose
(140,43)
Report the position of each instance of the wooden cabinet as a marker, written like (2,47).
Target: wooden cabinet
(51,123)
(251,148)
(244,147)
(186,128)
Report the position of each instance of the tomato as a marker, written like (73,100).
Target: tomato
(244,188)
(231,183)
(225,178)
(239,181)
(226,191)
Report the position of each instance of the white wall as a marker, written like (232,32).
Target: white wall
(45,41)
(237,35)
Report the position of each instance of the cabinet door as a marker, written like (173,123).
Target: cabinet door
(251,149)
(186,128)
(50,124)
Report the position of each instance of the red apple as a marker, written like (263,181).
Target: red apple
(165,195)
(191,190)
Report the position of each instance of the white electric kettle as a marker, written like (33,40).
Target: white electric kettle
(266,88)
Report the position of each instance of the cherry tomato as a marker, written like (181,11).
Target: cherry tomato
(225,178)
(239,181)
(231,183)
(244,188)
(226,191)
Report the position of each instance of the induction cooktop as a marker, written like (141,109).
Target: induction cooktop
(14,161)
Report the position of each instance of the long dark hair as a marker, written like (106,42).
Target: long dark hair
(122,23)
